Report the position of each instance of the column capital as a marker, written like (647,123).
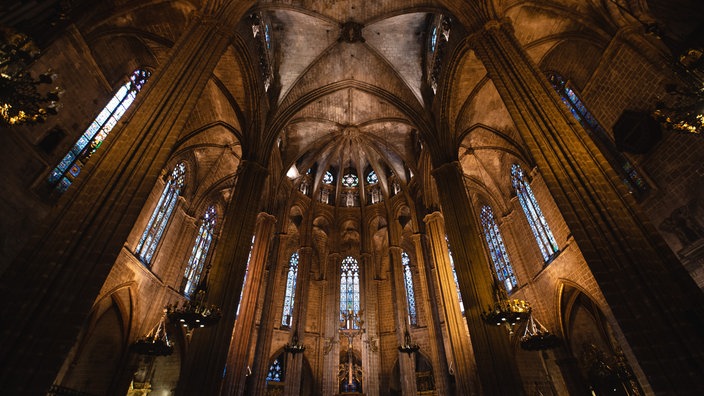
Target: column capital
(434,217)
(446,167)
(305,249)
(395,248)
(263,217)
(489,26)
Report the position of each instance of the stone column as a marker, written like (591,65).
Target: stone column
(331,320)
(406,362)
(238,357)
(294,362)
(637,272)
(260,365)
(205,361)
(371,365)
(52,284)
(461,353)
(426,295)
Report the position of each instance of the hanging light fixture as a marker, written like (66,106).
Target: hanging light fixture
(196,312)
(408,345)
(536,337)
(22,100)
(294,346)
(156,342)
(506,311)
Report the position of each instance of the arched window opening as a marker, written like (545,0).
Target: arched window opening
(276,376)
(289,298)
(199,253)
(350,180)
(328,178)
(454,276)
(408,283)
(627,172)
(161,215)
(244,280)
(497,250)
(349,289)
(70,166)
(541,230)
(372,178)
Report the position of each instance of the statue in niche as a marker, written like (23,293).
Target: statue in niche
(683,225)
(349,198)
(324,195)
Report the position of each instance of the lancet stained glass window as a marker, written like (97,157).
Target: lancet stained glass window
(454,275)
(408,283)
(289,298)
(276,370)
(349,287)
(244,280)
(199,253)
(70,166)
(541,230)
(628,173)
(161,215)
(497,250)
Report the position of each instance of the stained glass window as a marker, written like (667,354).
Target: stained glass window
(349,287)
(350,180)
(276,370)
(70,166)
(433,38)
(289,298)
(541,230)
(244,280)
(199,253)
(628,173)
(161,215)
(497,250)
(372,178)
(408,283)
(454,275)
(327,178)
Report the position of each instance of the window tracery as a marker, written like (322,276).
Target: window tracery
(161,215)
(497,250)
(349,288)
(289,298)
(199,253)
(408,284)
(536,220)
(627,172)
(71,165)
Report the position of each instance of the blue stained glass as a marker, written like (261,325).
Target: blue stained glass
(497,250)
(536,220)
(618,161)
(349,287)
(454,275)
(75,170)
(327,178)
(276,370)
(199,253)
(350,180)
(408,284)
(433,39)
(372,178)
(104,122)
(289,298)
(161,215)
